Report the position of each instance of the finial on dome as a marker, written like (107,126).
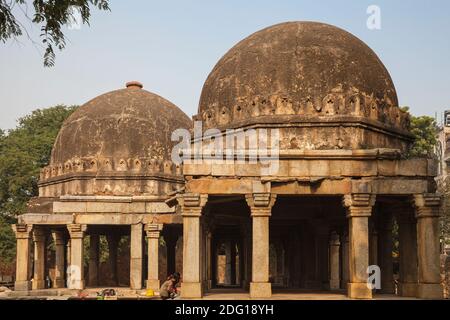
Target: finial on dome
(134,85)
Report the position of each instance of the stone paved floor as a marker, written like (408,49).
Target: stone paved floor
(215,294)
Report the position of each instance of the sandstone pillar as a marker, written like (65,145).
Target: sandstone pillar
(427,209)
(233,262)
(171,243)
(23,266)
(407,232)
(136,253)
(359,209)
(58,238)
(373,247)
(76,268)
(334,261)
(94,244)
(385,248)
(113,244)
(345,263)
(39,259)
(208,260)
(191,207)
(153,232)
(261,209)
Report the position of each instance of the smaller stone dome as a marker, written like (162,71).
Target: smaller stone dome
(116,144)
(129,123)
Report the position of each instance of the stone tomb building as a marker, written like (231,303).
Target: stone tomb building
(342,180)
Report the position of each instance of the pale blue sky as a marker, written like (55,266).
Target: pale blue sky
(171,46)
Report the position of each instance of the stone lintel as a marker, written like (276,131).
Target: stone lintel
(427,205)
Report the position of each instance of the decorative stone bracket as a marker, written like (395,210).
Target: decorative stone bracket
(427,205)
(192,204)
(359,204)
(76,231)
(22,231)
(261,203)
(153,231)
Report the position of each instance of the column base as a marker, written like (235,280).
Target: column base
(22,286)
(38,284)
(58,284)
(358,291)
(153,284)
(407,289)
(387,288)
(76,284)
(335,284)
(430,291)
(260,290)
(191,290)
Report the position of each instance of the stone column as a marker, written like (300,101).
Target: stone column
(334,261)
(58,238)
(76,268)
(233,262)
(171,243)
(407,232)
(427,210)
(345,263)
(373,247)
(261,209)
(113,244)
(209,260)
(153,232)
(191,208)
(23,266)
(39,259)
(136,253)
(385,248)
(322,257)
(94,242)
(359,209)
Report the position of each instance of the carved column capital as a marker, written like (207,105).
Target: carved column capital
(153,231)
(359,204)
(76,231)
(334,239)
(38,235)
(192,204)
(261,203)
(22,231)
(58,237)
(427,205)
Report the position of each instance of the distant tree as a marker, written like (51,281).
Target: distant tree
(50,16)
(425,131)
(23,152)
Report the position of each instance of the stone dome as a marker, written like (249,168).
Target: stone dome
(129,123)
(299,68)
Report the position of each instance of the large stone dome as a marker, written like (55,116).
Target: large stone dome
(122,124)
(299,68)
